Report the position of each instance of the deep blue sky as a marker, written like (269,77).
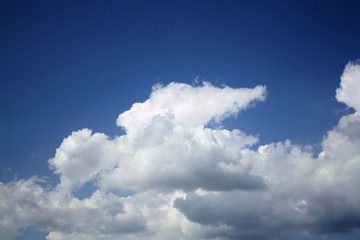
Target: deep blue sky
(66,65)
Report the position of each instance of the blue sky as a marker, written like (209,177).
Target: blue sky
(70,65)
(67,65)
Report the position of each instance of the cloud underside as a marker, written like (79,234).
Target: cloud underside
(176,173)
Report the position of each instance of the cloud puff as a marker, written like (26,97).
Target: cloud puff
(348,92)
(188,106)
(190,180)
(82,155)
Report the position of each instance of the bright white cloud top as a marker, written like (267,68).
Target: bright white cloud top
(184,179)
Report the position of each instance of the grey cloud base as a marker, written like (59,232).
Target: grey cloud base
(190,181)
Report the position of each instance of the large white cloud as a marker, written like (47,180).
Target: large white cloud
(166,146)
(173,175)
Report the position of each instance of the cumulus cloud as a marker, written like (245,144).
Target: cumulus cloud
(166,146)
(82,155)
(348,92)
(188,106)
(174,174)
(184,159)
(25,203)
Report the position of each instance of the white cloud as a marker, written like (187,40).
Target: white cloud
(82,155)
(348,92)
(25,203)
(316,194)
(190,181)
(185,159)
(188,106)
(166,146)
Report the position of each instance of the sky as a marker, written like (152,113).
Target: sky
(179,120)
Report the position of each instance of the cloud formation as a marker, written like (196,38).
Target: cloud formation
(348,92)
(177,174)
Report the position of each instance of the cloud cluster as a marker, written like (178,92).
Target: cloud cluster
(177,174)
(166,146)
(25,203)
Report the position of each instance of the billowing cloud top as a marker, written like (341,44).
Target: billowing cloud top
(174,176)
(188,106)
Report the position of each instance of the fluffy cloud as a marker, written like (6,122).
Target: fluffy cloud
(184,159)
(82,155)
(175,174)
(348,92)
(25,203)
(166,146)
(188,106)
